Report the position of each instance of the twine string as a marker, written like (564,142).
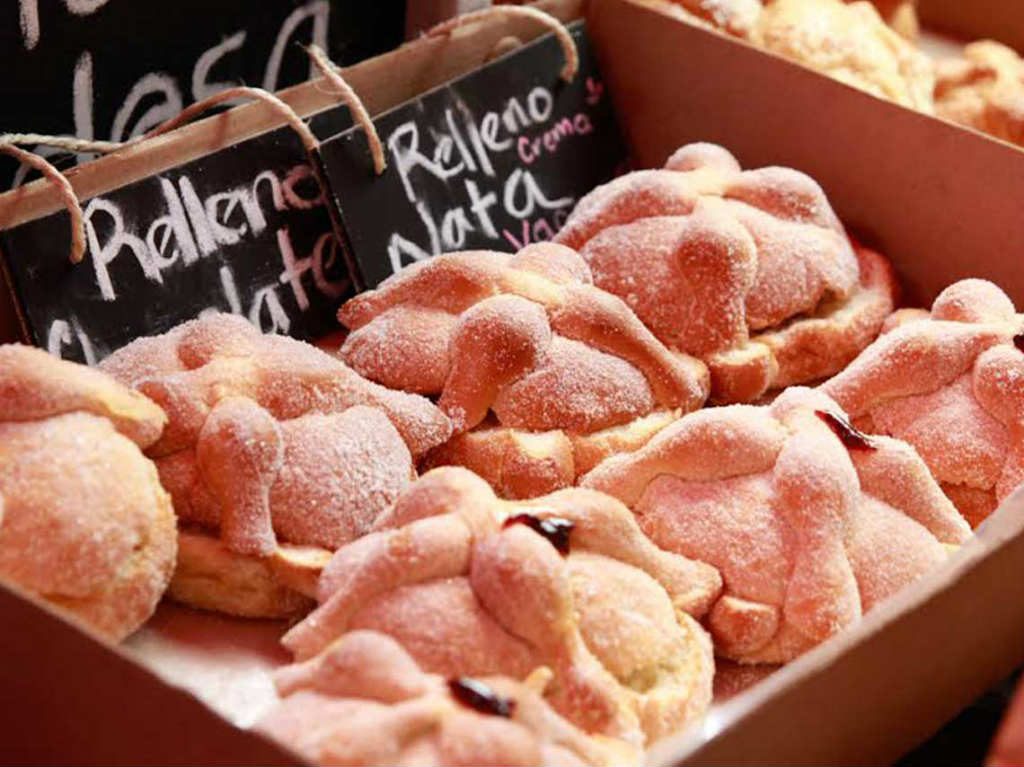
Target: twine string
(331,72)
(10,145)
(191,112)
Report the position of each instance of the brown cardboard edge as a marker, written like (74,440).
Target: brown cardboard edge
(71,697)
(381,82)
(869,672)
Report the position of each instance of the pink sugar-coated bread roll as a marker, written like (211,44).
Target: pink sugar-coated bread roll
(275,454)
(810,523)
(951,383)
(542,374)
(84,522)
(750,271)
(365,701)
(471,585)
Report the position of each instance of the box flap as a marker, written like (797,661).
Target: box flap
(71,696)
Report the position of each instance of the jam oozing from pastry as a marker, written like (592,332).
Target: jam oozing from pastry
(1018,341)
(477,695)
(853,438)
(555,529)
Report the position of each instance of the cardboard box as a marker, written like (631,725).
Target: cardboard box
(942,202)
(1001,20)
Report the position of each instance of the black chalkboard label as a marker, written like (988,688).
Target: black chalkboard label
(111,69)
(495,159)
(244,230)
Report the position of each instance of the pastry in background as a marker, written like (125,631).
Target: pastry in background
(275,454)
(86,525)
(901,15)
(810,522)
(984,90)
(736,17)
(750,271)
(475,586)
(542,373)
(365,701)
(739,17)
(849,42)
(951,383)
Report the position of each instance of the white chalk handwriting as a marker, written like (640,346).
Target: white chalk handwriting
(189,227)
(459,152)
(163,95)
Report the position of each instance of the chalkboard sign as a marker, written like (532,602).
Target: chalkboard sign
(111,69)
(495,159)
(245,230)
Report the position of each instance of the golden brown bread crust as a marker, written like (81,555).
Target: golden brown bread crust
(522,464)
(811,348)
(749,270)
(540,372)
(469,587)
(210,576)
(809,525)
(947,382)
(86,525)
(270,444)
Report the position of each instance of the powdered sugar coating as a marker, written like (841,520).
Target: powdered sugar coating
(286,377)
(806,533)
(792,277)
(524,340)
(672,271)
(466,595)
(729,265)
(950,383)
(364,700)
(273,441)
(339,473)
(406,348)
(85,522)
(577,388)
